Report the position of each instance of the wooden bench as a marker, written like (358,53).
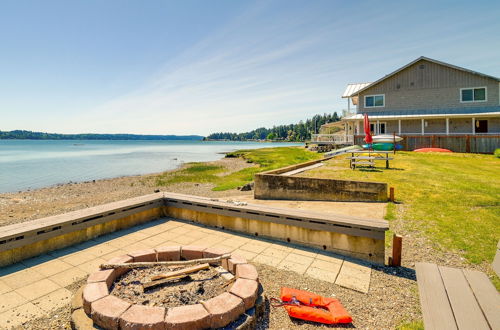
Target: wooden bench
(368,160)
(454,298)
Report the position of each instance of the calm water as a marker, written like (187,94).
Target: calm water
(27,164)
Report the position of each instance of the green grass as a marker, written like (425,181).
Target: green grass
(415,325)
(266,159)
(452,198)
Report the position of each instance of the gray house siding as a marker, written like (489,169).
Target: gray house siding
(428,85)
(438,126)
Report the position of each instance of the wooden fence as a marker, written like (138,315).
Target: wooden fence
(485,144)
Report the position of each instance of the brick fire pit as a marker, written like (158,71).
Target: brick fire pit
(241,304)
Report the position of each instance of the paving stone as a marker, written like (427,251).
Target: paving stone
(136,246)
(106,311)
(108,276)
(78,258)
(169,253)
(68,277)
(267,260)
(247,271)
(187,317)
(54,300)
(224,309)
(123,259)
(37,289)
(64,252)
(113,254)
(196,233)
(233,261)
(22,278)
(4,287)
(189,252)
(148,255)
(292,266)
(252,247)
(101,249)
(323,275)
(354,276)
(245,254)
(143,317)
(247,290)
(52,267)
(32,262)
(327,265)
(10,300)
(304,252)
(154,241)
(274,252)
(186,240)
(179,230)
(81,321)
(330,257)
(19,315)
(92,265)
(92,292)
(12,269)
(299,259)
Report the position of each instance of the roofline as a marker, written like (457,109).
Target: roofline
(457,115)
(430,60)
(349,96)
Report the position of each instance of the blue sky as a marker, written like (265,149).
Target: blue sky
(195,67)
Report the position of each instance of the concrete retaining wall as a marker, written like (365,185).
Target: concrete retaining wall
(350,236)
(272,185)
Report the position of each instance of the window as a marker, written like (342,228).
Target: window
(481,126)
(381,128)
(372,101)
(473,94)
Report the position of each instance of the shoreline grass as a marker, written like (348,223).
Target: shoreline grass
(264,159)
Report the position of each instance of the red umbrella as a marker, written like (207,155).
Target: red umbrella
(368,135)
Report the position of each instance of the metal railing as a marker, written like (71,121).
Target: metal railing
(333,138)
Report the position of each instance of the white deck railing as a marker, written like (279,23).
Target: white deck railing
(333,138)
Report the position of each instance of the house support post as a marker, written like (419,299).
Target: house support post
(399,127)
(423,126)
(473,126)
(377,129)
(447,126)
(357,127)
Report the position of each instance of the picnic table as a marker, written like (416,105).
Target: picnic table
(368,160)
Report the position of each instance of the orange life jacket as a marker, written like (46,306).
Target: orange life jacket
(309,306)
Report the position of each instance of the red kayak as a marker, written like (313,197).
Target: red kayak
(432,150)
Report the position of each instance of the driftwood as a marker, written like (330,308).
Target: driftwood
(183,271)
(154,284)
(165,263)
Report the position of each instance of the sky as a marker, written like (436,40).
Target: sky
(197,67)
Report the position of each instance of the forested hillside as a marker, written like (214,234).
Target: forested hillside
(292,132)
(29,135)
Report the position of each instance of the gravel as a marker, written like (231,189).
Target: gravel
(202,285)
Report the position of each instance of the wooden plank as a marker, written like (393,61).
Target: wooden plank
(397,247)
(486,295)
(468,314)
(436,308)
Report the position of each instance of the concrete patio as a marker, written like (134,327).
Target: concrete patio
(37,286)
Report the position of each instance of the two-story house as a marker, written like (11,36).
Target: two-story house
(430,103)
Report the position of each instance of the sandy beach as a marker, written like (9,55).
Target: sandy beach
(33,204)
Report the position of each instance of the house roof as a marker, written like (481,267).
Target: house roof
(421,58)
(353,88)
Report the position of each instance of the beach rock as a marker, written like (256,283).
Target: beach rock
(247,187)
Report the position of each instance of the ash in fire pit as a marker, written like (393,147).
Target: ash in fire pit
(190,290)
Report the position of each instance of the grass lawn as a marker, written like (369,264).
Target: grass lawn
(453,198)
(265,159)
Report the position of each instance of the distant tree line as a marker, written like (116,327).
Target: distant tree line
(29,135)
(293,132)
